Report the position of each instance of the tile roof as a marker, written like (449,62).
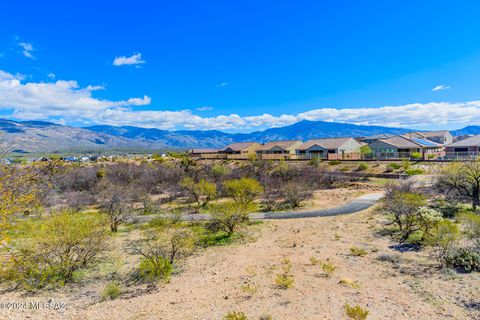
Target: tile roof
(282,144)
(468,142)
(239,146)
(328,143)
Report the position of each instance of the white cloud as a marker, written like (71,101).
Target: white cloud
(223,84)
(51,75)
(205,108)
(94,88)
(135,59)
(441,87)
(68,101)
(27,49)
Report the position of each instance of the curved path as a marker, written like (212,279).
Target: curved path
(356,205)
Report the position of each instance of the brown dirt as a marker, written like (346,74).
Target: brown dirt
(210,282)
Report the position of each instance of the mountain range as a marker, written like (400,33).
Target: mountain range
(41,136)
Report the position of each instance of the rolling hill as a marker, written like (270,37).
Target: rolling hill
(40,136)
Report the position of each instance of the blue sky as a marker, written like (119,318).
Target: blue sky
(241,65)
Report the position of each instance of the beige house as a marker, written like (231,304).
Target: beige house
(402,147)
(442,137)
(241,150)
(278,149)
(330,148)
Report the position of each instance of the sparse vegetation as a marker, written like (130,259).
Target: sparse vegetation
(111,291)
(285,279)
(358,252)
(349,283)
(51,251)
(356,312)
(327,268)
(235,315)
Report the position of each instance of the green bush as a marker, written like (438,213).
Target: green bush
(358,252)
(153,269)
(444,240)
(235,315)
(465,258)
(111,291)
(243,191)
(471,226)
(356,312)
(328,268)
(403,209)
(51,251)
(414,171)
(334,162)
(362,166)
(230,216)
(284,281)
(416,155)
(394,165)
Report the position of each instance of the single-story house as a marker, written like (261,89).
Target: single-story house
(280,149)
(443,137)
(403,147)
(469,147)
(241,149)
(325,148)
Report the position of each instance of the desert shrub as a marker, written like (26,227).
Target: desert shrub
(444,241)
(202,191)
(295,193)
(250,289)
(392,258)
(314,261)
(229,216)
(406,164)
(356,312)
(461,181)
(155,268)
(334,162)
(265,317)
(430,156)
(111,291)
(314,162)
(327,268)
(116,203)
(235,315)
(349,283)
(394,166)
(414,171)
(243,191)
(471,226)
(403,186)
(403,208)
(358,252)
(466,259)
(51,251)
(427,220)
(218,171)
(362,166)
(284,281)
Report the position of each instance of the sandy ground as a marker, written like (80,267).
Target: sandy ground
(210,282)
